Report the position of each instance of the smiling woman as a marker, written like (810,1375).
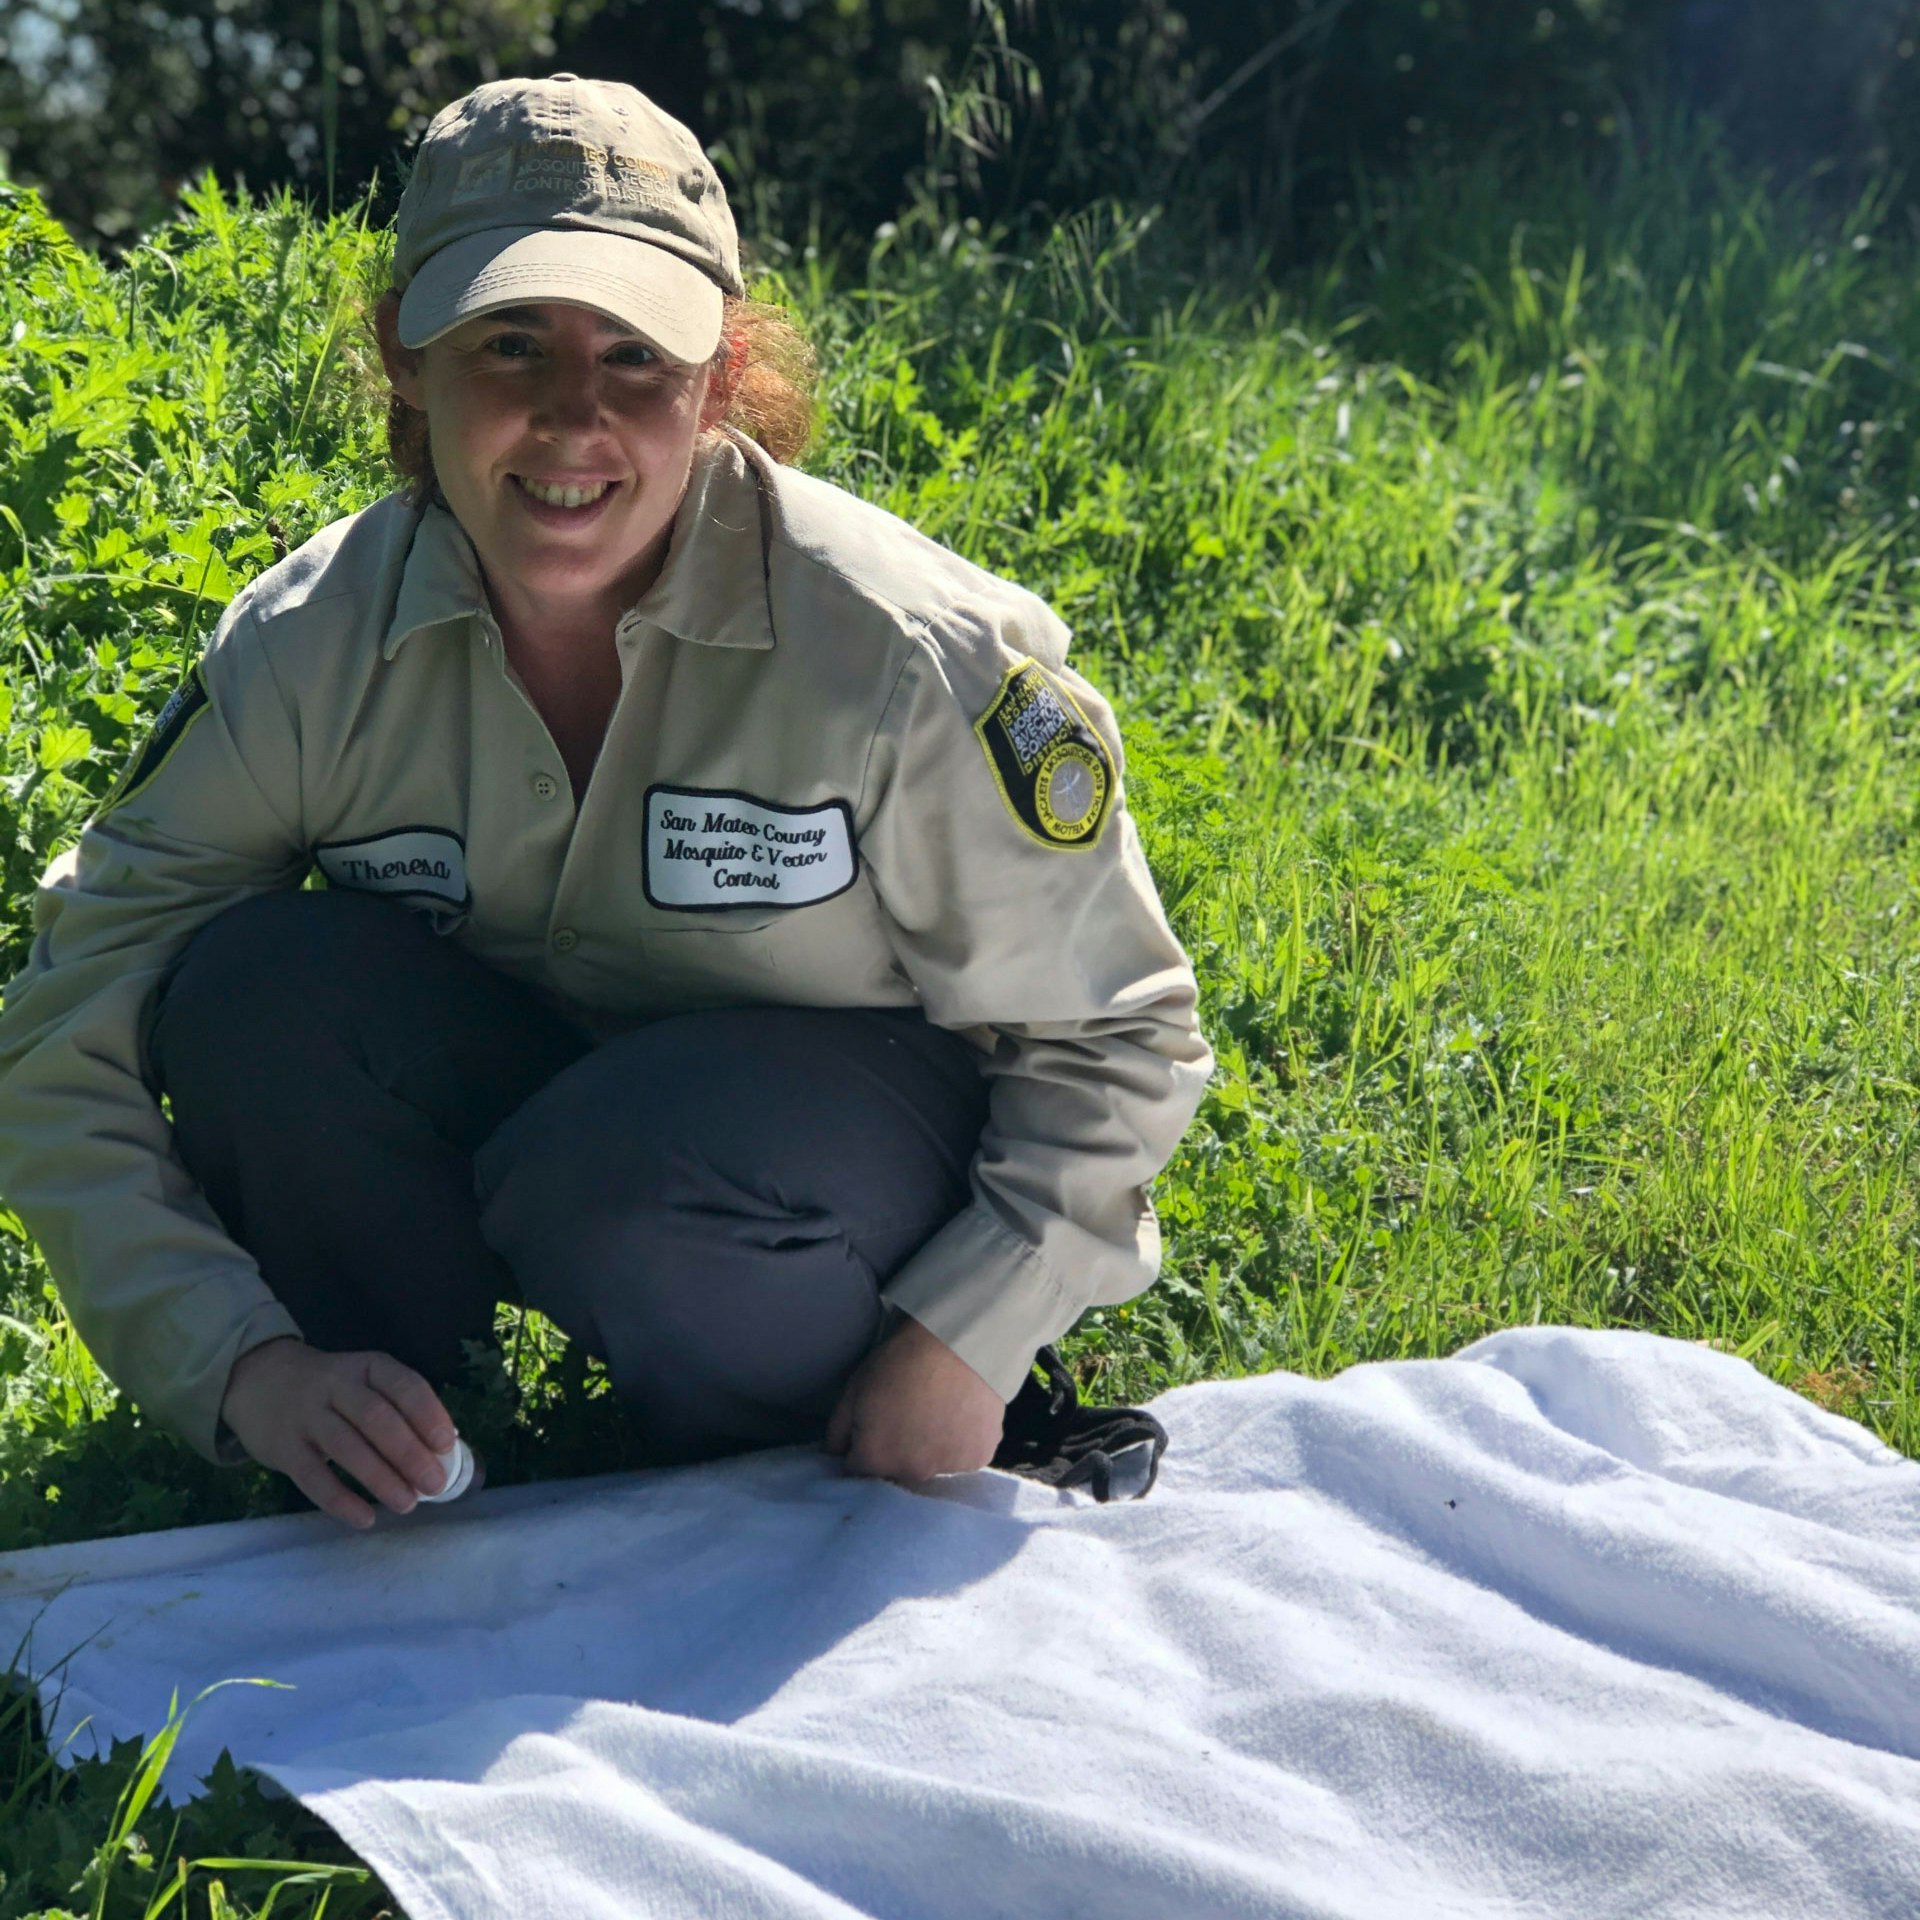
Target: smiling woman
(771,397)
(734,943)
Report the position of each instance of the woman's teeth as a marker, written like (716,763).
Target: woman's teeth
(564,496)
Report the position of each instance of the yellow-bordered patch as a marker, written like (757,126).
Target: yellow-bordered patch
(184,706)
(1053,770)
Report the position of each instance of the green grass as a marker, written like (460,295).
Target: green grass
(1511,621)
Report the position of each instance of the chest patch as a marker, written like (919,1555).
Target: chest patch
(411,863)
(1053,770)
(716,849)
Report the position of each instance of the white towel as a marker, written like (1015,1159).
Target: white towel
(1573,1624)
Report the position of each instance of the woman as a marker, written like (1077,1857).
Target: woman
(733,942)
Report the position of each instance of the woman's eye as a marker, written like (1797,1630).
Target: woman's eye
(523,346)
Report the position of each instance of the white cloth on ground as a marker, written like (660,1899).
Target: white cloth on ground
(1574,1623)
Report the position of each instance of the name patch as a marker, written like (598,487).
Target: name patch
(716,849)
(417,863)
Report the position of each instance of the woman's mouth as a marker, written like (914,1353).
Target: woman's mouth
(564,503)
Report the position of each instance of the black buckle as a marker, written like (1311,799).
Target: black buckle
(1111,1452)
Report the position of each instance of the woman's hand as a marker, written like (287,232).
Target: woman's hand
(295,1408)
(913,1408)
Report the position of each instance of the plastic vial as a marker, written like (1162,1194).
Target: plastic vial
(462,1470)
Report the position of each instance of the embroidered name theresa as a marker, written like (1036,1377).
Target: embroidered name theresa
(410,862)
(364,873)
(725,849)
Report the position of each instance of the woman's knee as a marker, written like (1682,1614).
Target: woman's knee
(588,1223)
(771,1117)
(265,955)
(717,1200)
(677,1276)
(290,984)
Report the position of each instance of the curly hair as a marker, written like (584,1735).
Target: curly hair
(772,402)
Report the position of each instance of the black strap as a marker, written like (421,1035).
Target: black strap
(1049,1436)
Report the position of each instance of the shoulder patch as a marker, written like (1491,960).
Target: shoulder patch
(184,706)
(1053,770)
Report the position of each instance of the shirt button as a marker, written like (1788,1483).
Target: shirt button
(545,786)
(565,940)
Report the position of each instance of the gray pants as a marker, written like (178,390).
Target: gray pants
(402,1136)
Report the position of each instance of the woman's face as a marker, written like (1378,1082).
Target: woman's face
(545,398)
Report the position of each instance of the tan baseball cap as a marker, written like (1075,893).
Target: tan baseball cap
(565,189)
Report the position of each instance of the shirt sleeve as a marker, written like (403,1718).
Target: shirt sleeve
(1021,907)
(206,814)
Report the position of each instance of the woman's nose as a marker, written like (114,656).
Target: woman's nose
(568,401)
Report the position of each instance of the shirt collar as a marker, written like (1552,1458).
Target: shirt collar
(712,589)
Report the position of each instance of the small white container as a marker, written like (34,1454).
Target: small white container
(461,1469)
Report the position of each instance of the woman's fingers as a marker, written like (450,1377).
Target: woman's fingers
(341,1441)
(295,1408)
(393,1436)
(312,1476)
(917,1409)
(416,1400)
(840,1426)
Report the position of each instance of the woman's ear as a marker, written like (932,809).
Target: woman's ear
(402,363)
(725,371)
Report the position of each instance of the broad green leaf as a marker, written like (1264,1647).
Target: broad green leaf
(61,746)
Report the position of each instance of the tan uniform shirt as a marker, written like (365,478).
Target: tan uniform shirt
(846,768)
